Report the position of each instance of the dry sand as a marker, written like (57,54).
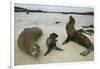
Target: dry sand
(47,22)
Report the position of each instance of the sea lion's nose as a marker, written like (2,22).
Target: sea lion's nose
(36,54)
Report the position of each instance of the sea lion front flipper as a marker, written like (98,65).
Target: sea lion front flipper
(47,52)
(59,49)
(67,40)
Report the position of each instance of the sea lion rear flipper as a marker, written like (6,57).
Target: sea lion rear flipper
(47,52)
(84,53)
(59,49)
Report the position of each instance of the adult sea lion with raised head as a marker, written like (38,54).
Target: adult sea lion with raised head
(77,37)
(27,41)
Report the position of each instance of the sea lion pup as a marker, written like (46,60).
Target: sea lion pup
(78,37)
(27,40)
(51,43)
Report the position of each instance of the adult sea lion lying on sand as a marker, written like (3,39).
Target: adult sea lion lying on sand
(51,43)
(27,40)
(77,37)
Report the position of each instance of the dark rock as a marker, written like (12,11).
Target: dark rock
(57,22)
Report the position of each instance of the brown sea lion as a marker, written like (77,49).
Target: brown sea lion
(51,43)
(27,40)
(77,37)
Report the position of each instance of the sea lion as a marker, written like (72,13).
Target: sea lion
(51,43)
(27,40)
(77,37)
(90,26)
(88,31)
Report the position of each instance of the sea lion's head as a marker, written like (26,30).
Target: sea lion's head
(35,50)
(71,19)
(53,35)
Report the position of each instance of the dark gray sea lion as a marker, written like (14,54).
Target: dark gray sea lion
(51,43)
(81,30)
(90,26)
(77,37)
(90,30)
(27,40)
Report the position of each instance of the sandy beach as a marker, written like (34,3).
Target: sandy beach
(47,22)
